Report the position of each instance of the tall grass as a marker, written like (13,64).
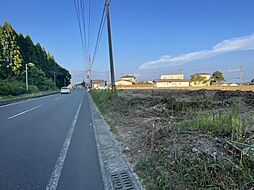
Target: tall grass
(231,170)
(218,123)
(193,171)
(102,98)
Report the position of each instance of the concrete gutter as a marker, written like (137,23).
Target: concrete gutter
(4,102)
(110,157)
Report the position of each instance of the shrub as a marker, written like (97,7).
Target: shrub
(12,87)
(33,88)
(45,85)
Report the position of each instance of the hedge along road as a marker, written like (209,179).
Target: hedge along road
(49,143)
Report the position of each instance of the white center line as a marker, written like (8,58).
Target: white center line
(57,98)
(24,112)
(53,182)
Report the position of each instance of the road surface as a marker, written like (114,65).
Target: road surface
(49,143)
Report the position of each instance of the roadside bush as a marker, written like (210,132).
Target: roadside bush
(45,85)
(33,88)
(12,87)
(15,87)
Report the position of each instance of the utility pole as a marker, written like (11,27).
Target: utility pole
(240,70)
(112,72)
(55,78)
(241,75)
(26,79)
(89,71)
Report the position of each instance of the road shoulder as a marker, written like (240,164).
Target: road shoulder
(114,166)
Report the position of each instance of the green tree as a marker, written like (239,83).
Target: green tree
(15,56)
(4,54)
(11,56)
(197,78)
(217,77)
(17,50)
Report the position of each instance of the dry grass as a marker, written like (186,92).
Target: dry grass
(185,139)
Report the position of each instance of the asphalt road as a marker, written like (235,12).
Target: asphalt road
(49,143)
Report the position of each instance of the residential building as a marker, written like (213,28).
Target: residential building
(126,81)
(169,83)
(172,76)
(71,86)
(99,84)
(200,79)
(130,78)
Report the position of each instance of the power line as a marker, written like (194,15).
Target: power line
(79,24)
(89,24)
(84,26)
(240,70)
(101,27)
(102,23)
(84,9)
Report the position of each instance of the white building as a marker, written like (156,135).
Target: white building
(169,83)
(126,81)
(99,84)
(172,76)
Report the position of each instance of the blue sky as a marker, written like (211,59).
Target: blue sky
(149,37)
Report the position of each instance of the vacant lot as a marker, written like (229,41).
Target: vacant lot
(184,139)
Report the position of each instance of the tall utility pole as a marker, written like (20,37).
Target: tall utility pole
(55,79)
(26,79)
(112,72)
(240,70)
(241,75)
(89,70)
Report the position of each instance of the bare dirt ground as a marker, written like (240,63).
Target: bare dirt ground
(181,139)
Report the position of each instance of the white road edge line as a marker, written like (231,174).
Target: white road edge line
(21,113)
(55,176)
(57,98)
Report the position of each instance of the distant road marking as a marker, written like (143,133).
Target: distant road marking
(53,182)
(24,101)
(57,98)
(24,112)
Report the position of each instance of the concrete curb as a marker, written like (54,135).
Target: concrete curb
(110,157)
(5,102)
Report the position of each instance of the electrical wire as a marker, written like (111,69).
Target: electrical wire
(102,23)
(101,27)
(84,9)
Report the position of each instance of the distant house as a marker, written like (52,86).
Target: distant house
(98,84)
(71,86)
(167,83)
(171,80)
(172,76)
(126,80)
(200,79)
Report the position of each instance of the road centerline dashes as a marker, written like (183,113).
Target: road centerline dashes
(21,113)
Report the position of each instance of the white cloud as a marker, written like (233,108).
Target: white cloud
(243,43)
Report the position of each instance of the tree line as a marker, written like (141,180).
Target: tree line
(16,51)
